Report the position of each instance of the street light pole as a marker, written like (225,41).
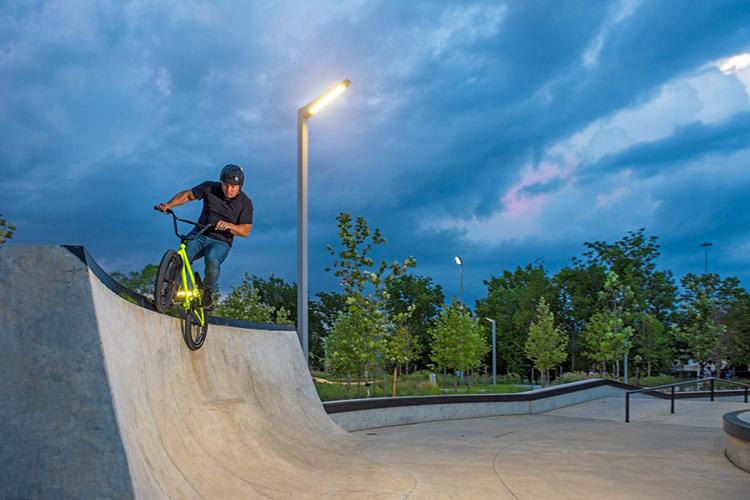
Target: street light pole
(460,263)
(705,245)
(494,353)
(303,114)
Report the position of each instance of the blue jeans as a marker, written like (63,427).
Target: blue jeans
(214,252)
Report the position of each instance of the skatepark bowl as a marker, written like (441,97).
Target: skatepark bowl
(100,398)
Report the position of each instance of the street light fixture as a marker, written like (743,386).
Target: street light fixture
(303,114)
(494,353)
(460,264)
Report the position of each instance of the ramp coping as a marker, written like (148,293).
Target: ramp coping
(138,299)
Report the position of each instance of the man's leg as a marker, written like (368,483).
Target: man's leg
(195,248)
(214,253)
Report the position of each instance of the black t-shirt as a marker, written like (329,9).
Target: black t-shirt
(216,207)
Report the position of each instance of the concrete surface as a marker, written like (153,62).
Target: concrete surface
(239,418)
(59,437)
(564,454)
(738,438)
(100,398)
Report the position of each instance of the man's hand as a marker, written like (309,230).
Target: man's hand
(223,225)
(236,229)
(162,207)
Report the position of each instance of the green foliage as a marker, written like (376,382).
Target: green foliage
(141,282)
(419,296)
(706,301)
(275,293)
(458,341)
(546,344)
(402,342)
(577,376)
(245,303)
(352,262)
(322,315)
(579,290)
(655,380)
(356,341)
(605,338)
(6,230)
(511,301)
(637,293)
(737,321)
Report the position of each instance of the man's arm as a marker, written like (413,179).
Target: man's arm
(236,229)
(179,199)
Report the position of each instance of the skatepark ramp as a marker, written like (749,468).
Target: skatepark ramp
(100,398)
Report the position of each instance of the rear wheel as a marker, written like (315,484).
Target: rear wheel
(193,333)
(166,280)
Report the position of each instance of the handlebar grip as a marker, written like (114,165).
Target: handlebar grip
(168,211)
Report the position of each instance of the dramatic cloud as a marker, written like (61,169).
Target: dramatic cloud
(504,132)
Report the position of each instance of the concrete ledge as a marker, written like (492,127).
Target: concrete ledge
(386,412)
(737,428)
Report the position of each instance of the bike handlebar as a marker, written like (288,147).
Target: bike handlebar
(184,237)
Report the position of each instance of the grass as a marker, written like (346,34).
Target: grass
(418,384)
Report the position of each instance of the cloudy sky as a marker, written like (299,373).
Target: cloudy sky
(505,132)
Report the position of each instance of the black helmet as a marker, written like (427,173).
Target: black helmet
(233,175)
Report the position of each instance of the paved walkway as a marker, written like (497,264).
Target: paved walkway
(583,451)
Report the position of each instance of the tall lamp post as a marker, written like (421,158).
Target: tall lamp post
(705,245)
(303,114)
(494,353)
(460,264)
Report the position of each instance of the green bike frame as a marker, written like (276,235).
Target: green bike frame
(191,292)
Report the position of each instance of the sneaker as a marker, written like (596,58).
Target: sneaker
(208,300)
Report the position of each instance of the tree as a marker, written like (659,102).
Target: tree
(649,292)
(323,314)
(402,343)
(546,344)
(356,341)
(604,338)
(511,301)
(141,282)
(6,230)
(737,321)
(245,303)
(579,289)
(365,291)
(352,262)
(275,292)
(705,302)
(458,341)
(421,299)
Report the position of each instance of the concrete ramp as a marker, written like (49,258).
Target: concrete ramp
(99,397)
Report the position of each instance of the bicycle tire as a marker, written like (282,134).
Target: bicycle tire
(193,333)
(165,286)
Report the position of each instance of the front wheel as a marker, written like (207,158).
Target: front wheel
(166,280)
(193,332)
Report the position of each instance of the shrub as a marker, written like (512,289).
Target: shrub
(569,377)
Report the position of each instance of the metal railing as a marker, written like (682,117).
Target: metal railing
(672,391)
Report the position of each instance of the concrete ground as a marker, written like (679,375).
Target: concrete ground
(578,452)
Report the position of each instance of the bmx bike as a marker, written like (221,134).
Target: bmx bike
(177,285)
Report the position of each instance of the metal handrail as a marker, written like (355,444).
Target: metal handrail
(679,384)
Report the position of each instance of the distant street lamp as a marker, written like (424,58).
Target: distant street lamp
(460,264)
(705,245)
(494,353)
(303,114)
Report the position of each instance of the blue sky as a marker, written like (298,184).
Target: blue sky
(505,132)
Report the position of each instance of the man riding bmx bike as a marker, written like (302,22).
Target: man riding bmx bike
(229,209)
